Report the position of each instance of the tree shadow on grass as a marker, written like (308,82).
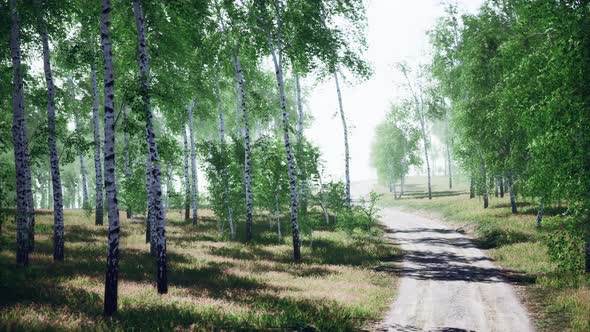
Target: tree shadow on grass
(265,309)
(547,210)
(71,286)
(422,194)
(324,252)
(497,237)
(287,314)
(519,205)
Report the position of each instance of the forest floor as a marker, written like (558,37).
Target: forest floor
(215,284)
(557,302)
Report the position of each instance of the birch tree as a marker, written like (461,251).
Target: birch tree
(275,45)
(346,147)
(80,143)
(127,157)
(155,185)
(194,181)
(99,195)
(421,117)
(112,272)
(187,184)
(20,139)
(223,151)
(58,217)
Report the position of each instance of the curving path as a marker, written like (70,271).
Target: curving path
(447,284)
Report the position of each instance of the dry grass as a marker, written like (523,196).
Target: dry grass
(214,283)
(514,242)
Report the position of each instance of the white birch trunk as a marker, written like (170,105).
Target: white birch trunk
(194,189)
(156,186)
(300,142)
(346,148)
(19,136)
(112,272)
(150,224)
(80,151)
(238,110)
(448,143)
(222,142)
(127,159)
(99,215)
(247,170)
(324,203)
(277,61)
(187,184)
(58,216)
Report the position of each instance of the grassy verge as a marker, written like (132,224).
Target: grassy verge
(214,283)
(512,240)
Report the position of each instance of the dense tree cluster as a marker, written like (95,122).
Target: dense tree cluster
(186,86)
(516,75)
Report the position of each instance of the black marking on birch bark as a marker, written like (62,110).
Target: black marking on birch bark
(19,134)
(346,147)
(291,167)
(156,186)
(58,218)
(247,164)
(187,185)
(195,188)
(112,271)
(99,208)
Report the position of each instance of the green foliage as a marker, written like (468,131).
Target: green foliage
(335,197)
(133,192)
(565,244)
(515,75)
(395,146)
(361,217)
(224,170)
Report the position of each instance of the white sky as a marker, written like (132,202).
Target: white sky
(396,32)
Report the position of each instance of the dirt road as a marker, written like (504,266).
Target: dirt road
(447,284)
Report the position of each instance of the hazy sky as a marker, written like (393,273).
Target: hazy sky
(396,32)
